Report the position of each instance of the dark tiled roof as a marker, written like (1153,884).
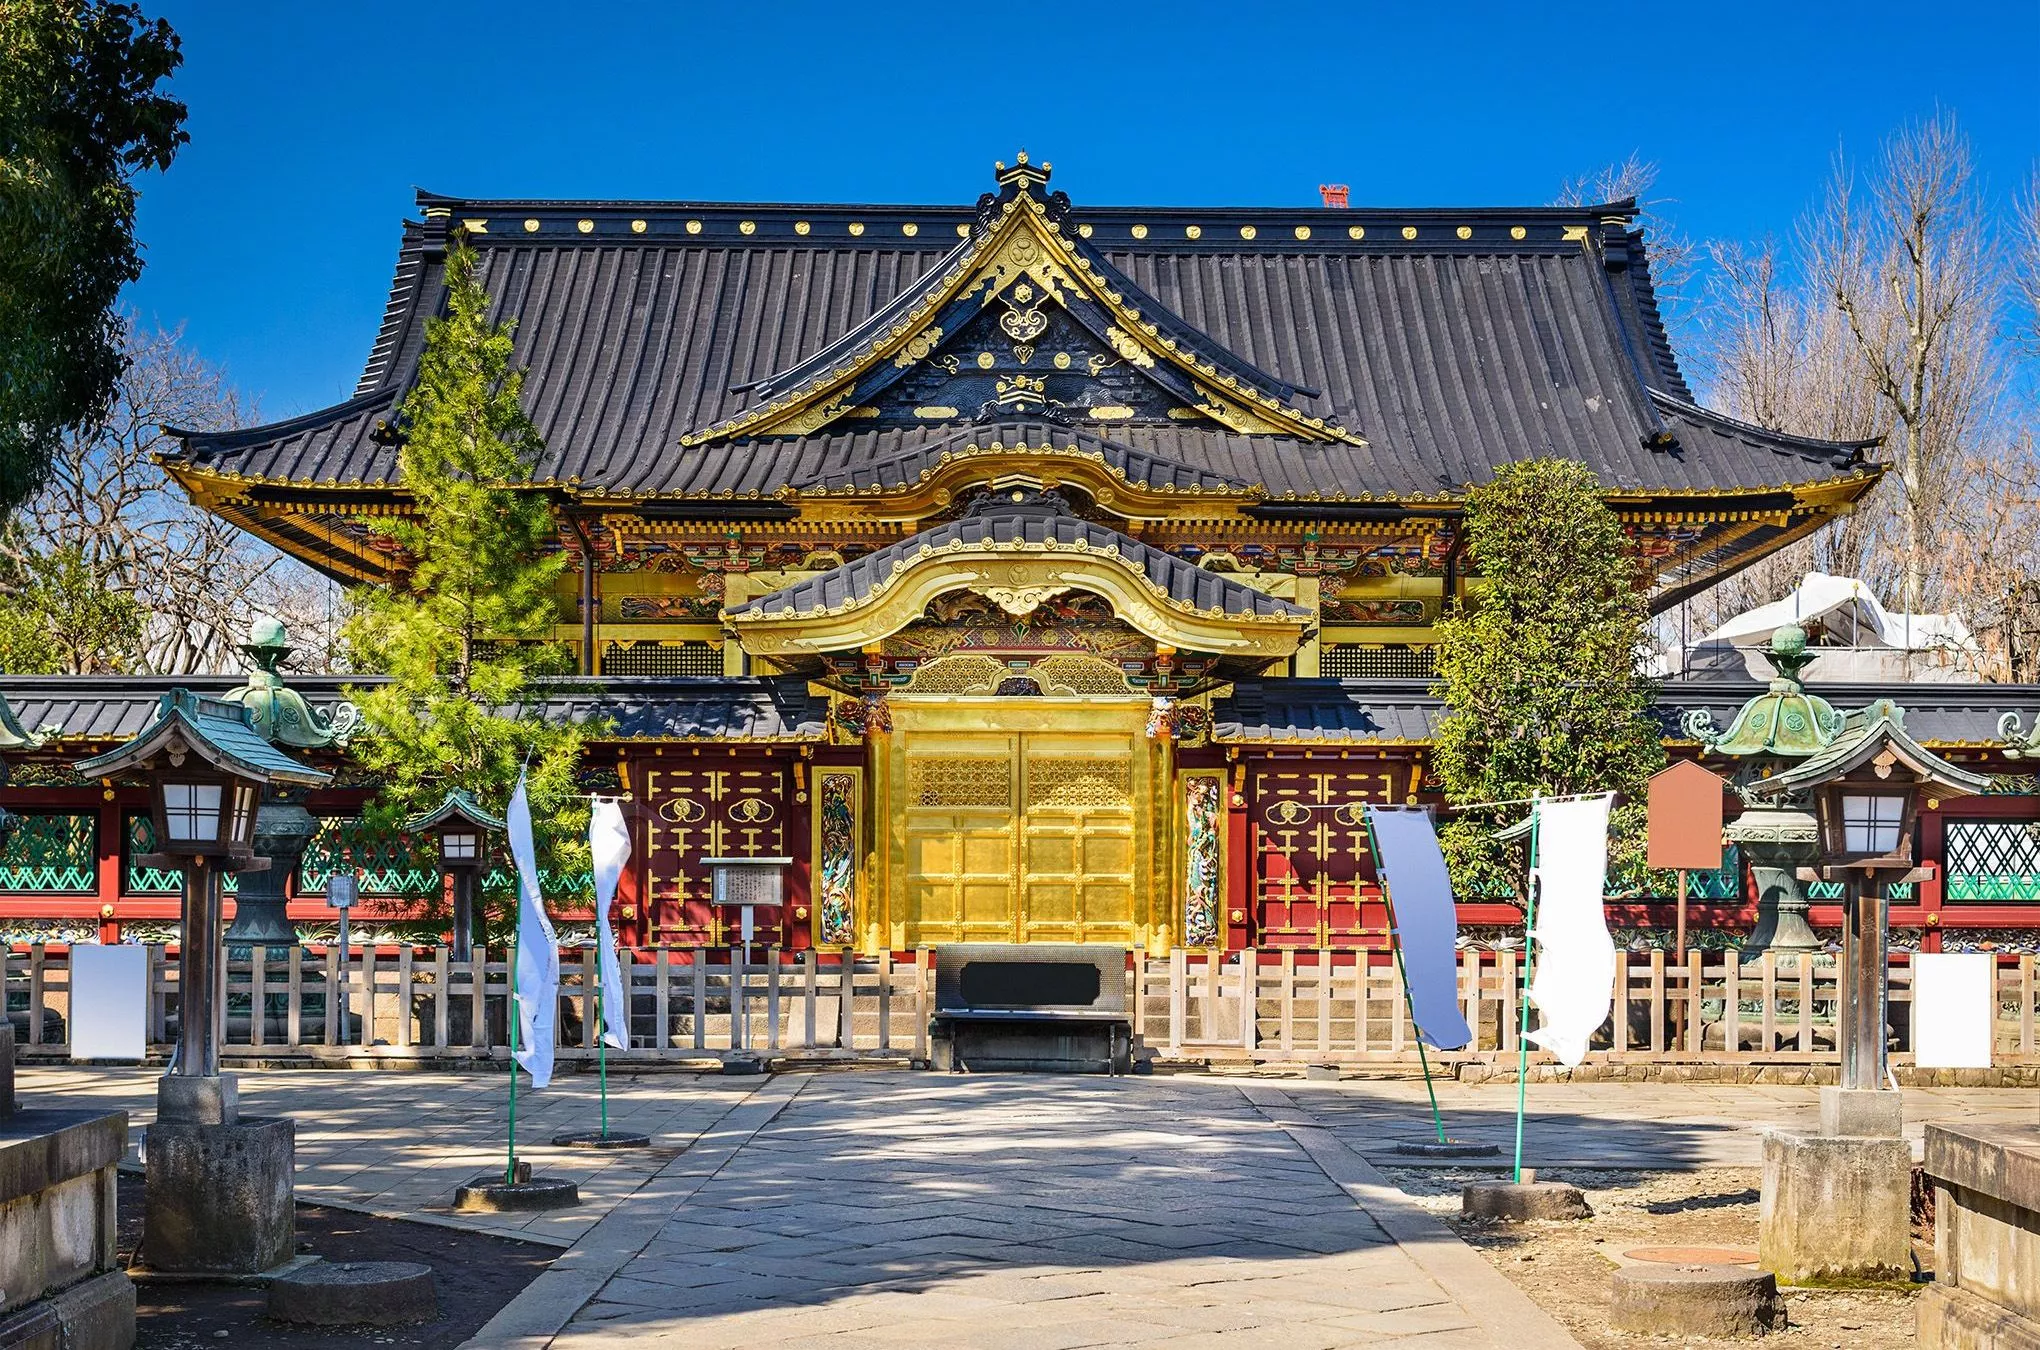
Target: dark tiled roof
(1000,523)
(1486,336)
(116,708)
(1344,711)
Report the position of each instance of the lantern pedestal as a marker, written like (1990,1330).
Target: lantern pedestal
(219,1196)
(1836,1210)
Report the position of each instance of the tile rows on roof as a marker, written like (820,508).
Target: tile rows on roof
(1450,362)
(117,708)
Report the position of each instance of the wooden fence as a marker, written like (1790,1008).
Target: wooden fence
(1307,1006)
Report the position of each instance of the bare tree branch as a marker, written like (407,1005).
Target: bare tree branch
(200,578)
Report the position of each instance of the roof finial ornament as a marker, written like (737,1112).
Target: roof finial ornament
(279,712)
(1023,176)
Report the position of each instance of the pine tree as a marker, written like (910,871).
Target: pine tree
(466,635)
(1538,669)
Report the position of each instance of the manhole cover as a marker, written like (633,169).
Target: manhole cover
(1694,1256)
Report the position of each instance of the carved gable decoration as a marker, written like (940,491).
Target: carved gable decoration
(1024,320)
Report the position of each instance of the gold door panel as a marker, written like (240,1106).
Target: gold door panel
(1025,835)
(1076,882)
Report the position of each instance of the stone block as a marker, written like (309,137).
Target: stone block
(211,1100)
(1519,1202)
(98,1314)
(1835,1211)
(1986,1237)
(1955,1319)
(1696,1300)
(355,1293)
(1860,1113)
(219,1197)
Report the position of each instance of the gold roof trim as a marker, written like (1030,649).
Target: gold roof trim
(1021,242)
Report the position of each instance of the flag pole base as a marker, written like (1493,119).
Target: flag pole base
(1447,1148)
(601,1139)
(491,1195)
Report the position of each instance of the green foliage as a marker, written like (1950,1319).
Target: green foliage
(466,636)
(58,618)
(1538,670)
(79,117)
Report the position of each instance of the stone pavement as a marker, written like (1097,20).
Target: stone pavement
(856,1209)
(1037,1214)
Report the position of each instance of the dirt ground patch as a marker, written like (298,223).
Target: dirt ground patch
(476,1275)
(1565,1267)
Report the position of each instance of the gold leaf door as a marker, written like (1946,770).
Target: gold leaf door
(1018,833)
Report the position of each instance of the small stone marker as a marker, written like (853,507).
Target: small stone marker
(355,1293)
(1696,1300)
(597,1139)
(491,1195)
(1520,1202)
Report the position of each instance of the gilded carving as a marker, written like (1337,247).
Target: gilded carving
(1129,349)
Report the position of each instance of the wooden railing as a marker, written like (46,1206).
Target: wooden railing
(1313,1007)
(1306,1006)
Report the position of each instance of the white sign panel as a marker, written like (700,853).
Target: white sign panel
(1954,1009)
(109,1001)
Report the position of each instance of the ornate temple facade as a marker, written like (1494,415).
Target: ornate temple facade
(1027,570)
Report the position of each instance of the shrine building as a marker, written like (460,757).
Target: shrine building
(1023,570)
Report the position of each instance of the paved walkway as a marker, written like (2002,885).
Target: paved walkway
(897,1209)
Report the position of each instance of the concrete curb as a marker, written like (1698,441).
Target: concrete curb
(548,1303)
(1504,1313)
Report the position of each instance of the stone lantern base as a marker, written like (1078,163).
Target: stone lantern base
(219,1199)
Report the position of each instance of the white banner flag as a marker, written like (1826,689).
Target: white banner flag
(1426,921)
(538,951)
(609,847)
(1574,984)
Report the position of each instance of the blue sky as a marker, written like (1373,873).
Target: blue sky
(271,239)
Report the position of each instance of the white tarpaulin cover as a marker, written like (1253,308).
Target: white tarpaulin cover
(1574,983)
(1426,923)
(609,847)
(1954,1011)
(538,951)
(109,1001)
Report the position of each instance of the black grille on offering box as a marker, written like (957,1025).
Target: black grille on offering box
(1351,661)
(651,657)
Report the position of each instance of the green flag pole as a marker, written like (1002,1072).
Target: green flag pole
(1395,945)
(510,1169)
(1523,998)
(601,1050)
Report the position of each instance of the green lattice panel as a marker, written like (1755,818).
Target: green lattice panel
(393,865)
(1725,883)
(1994,887)
(1993,860)
(52,855)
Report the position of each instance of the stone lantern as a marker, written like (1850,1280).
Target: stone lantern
(1777,728)
(1837,1205)
(463,829)
(218,1200)
(283,827)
